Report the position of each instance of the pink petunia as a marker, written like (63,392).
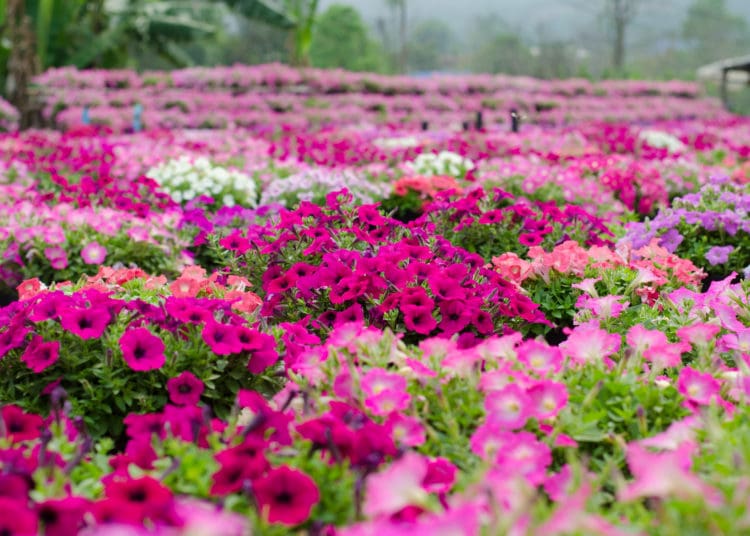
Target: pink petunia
(397,486)
(588,343)
(540,357)
(57,257)
(698,387)
(509,407)
(94,253)
(665,474)
(548,398)
(385,392)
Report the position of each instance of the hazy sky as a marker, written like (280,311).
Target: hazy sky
(557,18)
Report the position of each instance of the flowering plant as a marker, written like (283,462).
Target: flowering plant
(411,193)
(184,179)
(114,340)
(709,227)
(335,264)
(498,223)
(58,242)
(315,184)
(442,163)
(599,281)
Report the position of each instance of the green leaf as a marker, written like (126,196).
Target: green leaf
(263,11)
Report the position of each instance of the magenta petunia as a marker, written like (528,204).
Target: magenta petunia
(145,494)
(185,389)
(286,496)
(419,319)
(455,314)
(39,355)
(87,323)
(19,425)
(221,338)
(142,350)
(62,517)
(530,239)
(16,518)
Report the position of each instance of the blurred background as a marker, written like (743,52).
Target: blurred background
(661,39)
(593,39)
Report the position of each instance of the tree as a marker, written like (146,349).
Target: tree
(302,12)
(430,44)
(621,14)
(297,16)
(100,33)
(618,16)
(341,40)
(162,27)
(399,8)
(712,32)
(22,61)
(496,48)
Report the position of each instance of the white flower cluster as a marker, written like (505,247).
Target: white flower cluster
(661,140)
(443,163)
(397,143)
(314,184)
(184,179)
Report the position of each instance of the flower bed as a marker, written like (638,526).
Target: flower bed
(375,330)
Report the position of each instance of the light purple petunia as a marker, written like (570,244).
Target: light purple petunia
(718,254)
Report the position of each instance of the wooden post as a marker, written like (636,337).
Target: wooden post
(724,88)
(515,121)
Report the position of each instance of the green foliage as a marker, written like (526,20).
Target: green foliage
(404,208)
(262,11)
(121,249)
(431,45)
(608,408)
(452,411)
(341,40)
(713,31)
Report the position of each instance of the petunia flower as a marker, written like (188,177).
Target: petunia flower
(185,389)
(39,355)
(142,350)
(286,496)
(94,253)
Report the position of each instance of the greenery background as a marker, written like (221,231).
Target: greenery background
(396,37)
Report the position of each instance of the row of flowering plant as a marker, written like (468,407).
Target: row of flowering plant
(373,436)
(709,227)
(61,241)
(599,279)
(325,266)
(496,222)
(114,340)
